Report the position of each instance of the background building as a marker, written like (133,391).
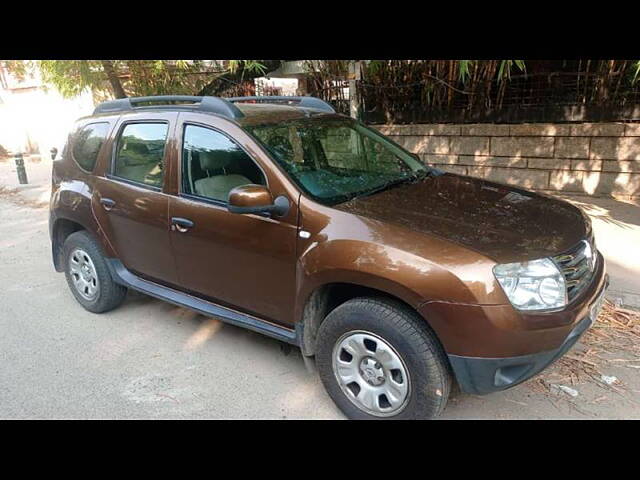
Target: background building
(34,118)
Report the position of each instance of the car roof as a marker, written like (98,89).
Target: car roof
(242,110)
(254,114)
(261,114)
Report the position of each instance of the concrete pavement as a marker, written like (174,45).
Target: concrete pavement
(616,226)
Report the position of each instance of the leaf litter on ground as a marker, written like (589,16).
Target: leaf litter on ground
(616,332)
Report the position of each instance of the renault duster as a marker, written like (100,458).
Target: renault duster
(278,215)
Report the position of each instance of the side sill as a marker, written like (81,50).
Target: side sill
(124,277)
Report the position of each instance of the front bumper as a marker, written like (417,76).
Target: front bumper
(485,375)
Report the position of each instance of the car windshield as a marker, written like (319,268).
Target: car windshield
(336,159)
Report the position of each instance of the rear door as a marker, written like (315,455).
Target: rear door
(242,261)
(129,199)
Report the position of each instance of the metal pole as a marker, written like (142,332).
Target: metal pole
(354,98)
(22,173)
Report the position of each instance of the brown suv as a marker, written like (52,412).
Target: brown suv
(279,215)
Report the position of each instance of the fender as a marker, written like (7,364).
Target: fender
(71,210)
(349,249)
(363,266)
(362,251)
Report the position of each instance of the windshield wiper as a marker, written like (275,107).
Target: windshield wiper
(419,175)
(384,186)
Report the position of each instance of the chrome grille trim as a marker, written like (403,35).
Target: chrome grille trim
(577,269)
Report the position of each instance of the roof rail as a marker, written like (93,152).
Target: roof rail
(206,104)
(308,102)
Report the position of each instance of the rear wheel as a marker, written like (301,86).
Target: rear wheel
(88,276)
(378,360)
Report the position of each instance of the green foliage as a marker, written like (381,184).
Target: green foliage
(117,78)
(71,77)
(464,66)
(505,68)
(375,66)
(636,72)
(253,66)
(162,77)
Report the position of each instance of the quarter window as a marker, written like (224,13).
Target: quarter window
(213,164)
(87,143)
(140,153)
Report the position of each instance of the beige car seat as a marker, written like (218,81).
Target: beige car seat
(138,164)
(217,186)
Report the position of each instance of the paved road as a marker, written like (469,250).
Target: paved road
(149,359)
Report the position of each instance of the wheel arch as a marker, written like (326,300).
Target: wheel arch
(325,298)
(60,230)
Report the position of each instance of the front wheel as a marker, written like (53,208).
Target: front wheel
(378,360)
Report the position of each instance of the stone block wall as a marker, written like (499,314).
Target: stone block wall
(601,159)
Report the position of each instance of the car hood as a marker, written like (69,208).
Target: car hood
(505,223)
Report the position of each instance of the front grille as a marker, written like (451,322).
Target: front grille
(578,265)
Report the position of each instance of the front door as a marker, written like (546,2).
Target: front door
(246,262)
(129,202)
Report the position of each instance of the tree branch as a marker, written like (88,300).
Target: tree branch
(112,76)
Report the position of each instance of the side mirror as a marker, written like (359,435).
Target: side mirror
(54,152)
(256,199)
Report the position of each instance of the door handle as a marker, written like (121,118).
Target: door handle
(107,203)
(181,224)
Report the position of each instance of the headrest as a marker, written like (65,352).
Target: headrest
(215,160)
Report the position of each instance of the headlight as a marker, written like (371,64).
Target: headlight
(534,285)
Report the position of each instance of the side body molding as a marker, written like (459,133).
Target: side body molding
(124,277)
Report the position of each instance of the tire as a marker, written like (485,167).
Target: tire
(92,287)
(382,336)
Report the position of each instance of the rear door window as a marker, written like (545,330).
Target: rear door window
(140,153)
(87,143)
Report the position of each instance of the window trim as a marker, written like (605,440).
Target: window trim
(111,175)
(194,196)
(73,147)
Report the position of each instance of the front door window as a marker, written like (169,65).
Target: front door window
(213,164)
